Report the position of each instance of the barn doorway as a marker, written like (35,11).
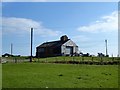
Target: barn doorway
(69,50)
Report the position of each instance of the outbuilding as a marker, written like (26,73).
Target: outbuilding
(64,46)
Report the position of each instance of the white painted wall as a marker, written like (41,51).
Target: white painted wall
(69,43)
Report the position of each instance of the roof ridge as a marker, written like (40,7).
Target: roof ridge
(52,43)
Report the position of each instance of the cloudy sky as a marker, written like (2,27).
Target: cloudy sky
(60,0)
(88,24)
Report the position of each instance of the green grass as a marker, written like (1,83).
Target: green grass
(36,75)
(0,76)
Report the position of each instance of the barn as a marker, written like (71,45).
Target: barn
(64,46)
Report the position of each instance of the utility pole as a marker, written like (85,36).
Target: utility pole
(106,47)
(31,43)
(11,50)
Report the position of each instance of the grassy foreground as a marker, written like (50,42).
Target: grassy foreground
(0,76)
(36,75)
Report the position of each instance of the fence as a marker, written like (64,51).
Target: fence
(66,59)
(14,60)
(79,60)
(75,58)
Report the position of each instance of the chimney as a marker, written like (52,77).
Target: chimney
(64,38)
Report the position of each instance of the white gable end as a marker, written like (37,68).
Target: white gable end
(69,43)
(69,47)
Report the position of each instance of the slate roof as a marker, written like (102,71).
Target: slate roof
(53,43)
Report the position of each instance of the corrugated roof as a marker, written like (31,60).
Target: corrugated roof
(53,43)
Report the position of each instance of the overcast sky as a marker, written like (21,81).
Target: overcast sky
(88,24)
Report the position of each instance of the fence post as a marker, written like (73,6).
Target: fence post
(64,58)
(38,59)
(82,59)
(56,58)
(15,60)
(45,59)
(73,58)
(112,58)
(101,59)
(92,58)
(0,59)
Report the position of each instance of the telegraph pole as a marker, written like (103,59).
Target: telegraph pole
(106,47)
(11,48)
(31,43)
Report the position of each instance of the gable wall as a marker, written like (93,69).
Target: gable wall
(71,44)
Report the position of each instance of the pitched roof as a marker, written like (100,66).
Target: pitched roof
(53,43)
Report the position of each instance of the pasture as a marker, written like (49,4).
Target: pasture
(50,75)
(0,75)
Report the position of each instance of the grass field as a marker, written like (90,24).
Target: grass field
(0,76)
(37,75)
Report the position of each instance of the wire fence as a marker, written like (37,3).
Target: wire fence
(64,60)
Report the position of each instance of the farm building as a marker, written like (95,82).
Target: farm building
(64,46)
